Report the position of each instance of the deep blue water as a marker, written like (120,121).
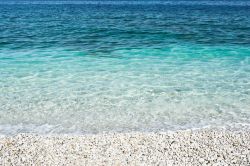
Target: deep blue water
(93,66)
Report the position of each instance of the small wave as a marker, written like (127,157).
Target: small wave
(46,129)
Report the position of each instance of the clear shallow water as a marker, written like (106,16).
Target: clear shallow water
(77,68)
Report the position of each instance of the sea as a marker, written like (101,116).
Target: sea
(93,66)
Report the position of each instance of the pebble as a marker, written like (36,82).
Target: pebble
(197,147)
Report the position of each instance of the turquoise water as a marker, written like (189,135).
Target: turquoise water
(93,66)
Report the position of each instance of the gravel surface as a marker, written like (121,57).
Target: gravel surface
(189,147)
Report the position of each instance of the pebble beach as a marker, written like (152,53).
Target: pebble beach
(187,147)
(124,82)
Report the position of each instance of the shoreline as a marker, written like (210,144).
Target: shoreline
(207,146)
